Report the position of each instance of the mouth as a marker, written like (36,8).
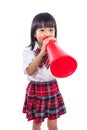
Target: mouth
(45,37)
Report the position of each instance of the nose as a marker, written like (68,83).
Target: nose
(47,33)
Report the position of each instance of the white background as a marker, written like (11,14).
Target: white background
(15,22)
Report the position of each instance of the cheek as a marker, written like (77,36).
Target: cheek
(39,39)
(53,34)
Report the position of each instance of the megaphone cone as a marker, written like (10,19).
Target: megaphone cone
(61,64)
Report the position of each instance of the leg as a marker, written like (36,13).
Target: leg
(36,126)
(52,124)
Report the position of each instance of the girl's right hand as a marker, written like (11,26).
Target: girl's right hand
(45,42)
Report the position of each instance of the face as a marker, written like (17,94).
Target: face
(42,32)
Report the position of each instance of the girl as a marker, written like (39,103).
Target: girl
(43,98)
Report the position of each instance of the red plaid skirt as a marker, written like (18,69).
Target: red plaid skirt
(43,100)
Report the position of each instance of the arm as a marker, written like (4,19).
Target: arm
(34,65)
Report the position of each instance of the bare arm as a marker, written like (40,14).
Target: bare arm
(34,65)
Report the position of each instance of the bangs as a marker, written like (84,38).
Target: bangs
(46,23)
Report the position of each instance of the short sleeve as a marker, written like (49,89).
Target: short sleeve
(28,57)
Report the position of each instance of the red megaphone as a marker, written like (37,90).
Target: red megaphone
(61,64)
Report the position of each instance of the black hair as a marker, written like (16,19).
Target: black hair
(39,21)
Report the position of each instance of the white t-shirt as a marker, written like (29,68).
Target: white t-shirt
(41,74)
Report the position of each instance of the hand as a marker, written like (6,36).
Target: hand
(45,42)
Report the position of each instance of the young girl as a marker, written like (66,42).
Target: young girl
(43,98)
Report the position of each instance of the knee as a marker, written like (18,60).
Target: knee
(52,125)
(36,126)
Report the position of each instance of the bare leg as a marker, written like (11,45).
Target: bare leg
(52,124)
(36,126)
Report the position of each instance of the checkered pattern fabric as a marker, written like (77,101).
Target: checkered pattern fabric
(43,100)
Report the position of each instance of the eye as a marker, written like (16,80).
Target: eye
(41,30)
(51,29)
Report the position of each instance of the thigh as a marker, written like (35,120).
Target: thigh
(52,122)
(52,125)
